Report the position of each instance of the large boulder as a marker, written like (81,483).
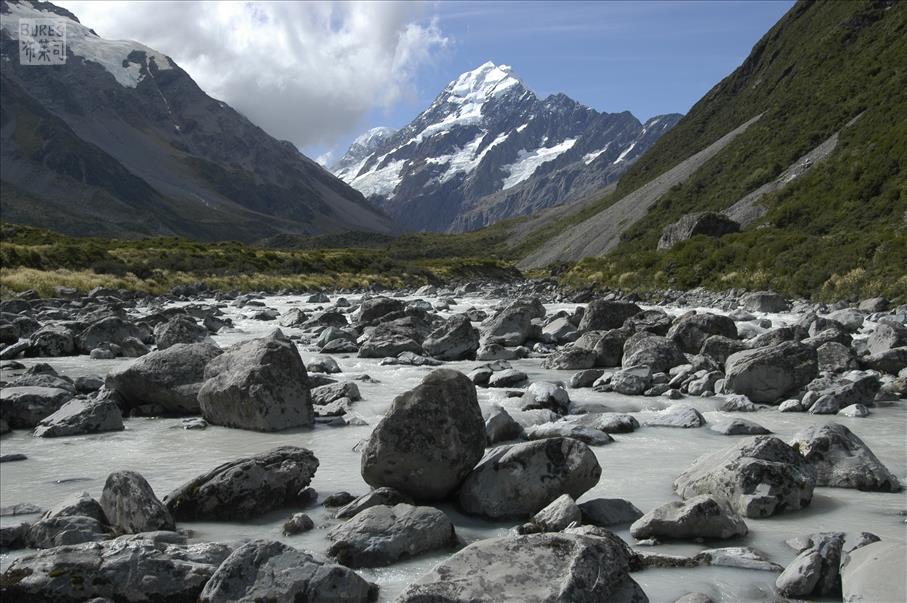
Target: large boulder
(512,326)
(272,571)
(429,439)
(23,407)
(382,535)
(110,330)
(52,340)
(890,361)
(389,339)
(259,384)
(372,310)
(874,572)
(543,394)
(886,336)
(521,479)
(534,567)
(79,416)
(130,505)
(455,340)
(765,301)
(758,476)
(378,496)
(245,488)
(606,512)
(602,315)
(698,517)
(708,223)
(124,569)
(842,460)
(571,359)
(50,532)
(658,353)
(179,329)
(691,330)
(769,374)
(815,570)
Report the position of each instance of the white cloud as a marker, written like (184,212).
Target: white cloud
(307,72)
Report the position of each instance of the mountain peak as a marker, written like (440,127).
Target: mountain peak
(482,83)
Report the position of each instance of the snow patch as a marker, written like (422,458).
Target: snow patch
(623,155)
(82,42)
(529,161)
(380,182)
(590,157)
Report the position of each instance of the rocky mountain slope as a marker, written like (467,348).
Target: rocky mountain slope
(120,141)
(805,144)
(488,148)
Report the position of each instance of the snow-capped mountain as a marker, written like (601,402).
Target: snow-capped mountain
(360,149)
(488,148)
(119,140)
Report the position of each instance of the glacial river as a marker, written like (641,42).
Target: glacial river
(639,466)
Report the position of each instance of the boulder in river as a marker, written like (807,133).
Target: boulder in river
(378,496)
(429,439)
(606,512)
(770,373)
(758,476)
(765,301)
(259,384)
(24,407)
(52,340)
(815,571)
(79,416)
(382,535)
(130,505)
(658,353)
(272,571)
(521,479)
(456,339)
(874,572)
(533,567)
(245,488)
(691,330)
(179,329)
(63,530)
(167,378)
(602,315)
(697,517)
(842,460)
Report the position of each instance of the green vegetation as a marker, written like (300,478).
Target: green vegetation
(42,260)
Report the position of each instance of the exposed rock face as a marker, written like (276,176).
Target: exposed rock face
(382,534)
(272,571)
(456,340)
(691,330)
(757,477)
(769,374)
(260,384)
(118,570)
(602,315)
(874,572)
(698,517)
(130,505)
(843,460)
(23,407)
(708,223)
(168,378)
(429,439)
(535,567)
(78,417)
(246,487)
(521,479)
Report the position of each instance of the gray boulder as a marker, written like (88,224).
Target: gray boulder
(378,496)
(259,384)
(815,571)
(533,567)
(770,373)
(632,380)
(886,336)
(698,517)
(325,394)
(501,427)
(130,505)
(691,330)
(52,340)
(124,569)
(719,348)
(842,460)
(294,317)
(874,572)
(658,353)
(24,407)
(179,329)
(607,512)
(455,340)
(602,315)
(63,530)
(77,504)
(167,378)
(78,417)
(109,330)
(739,427)
(609,422)
(520,479)
(372,310)
(565,429)
(507,378)
(890,361)
(571,359)
(272,571)
(382,535)
(677,415)
(836,357)
(758,476)
(245,488)
(543,394)
(765,301)
(707,223)
(557,516)
(429,439)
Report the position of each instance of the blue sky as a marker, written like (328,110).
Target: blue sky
(645,57)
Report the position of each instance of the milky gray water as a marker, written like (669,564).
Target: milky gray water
(638,466)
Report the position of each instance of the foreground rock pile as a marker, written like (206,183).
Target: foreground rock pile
(527,459)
